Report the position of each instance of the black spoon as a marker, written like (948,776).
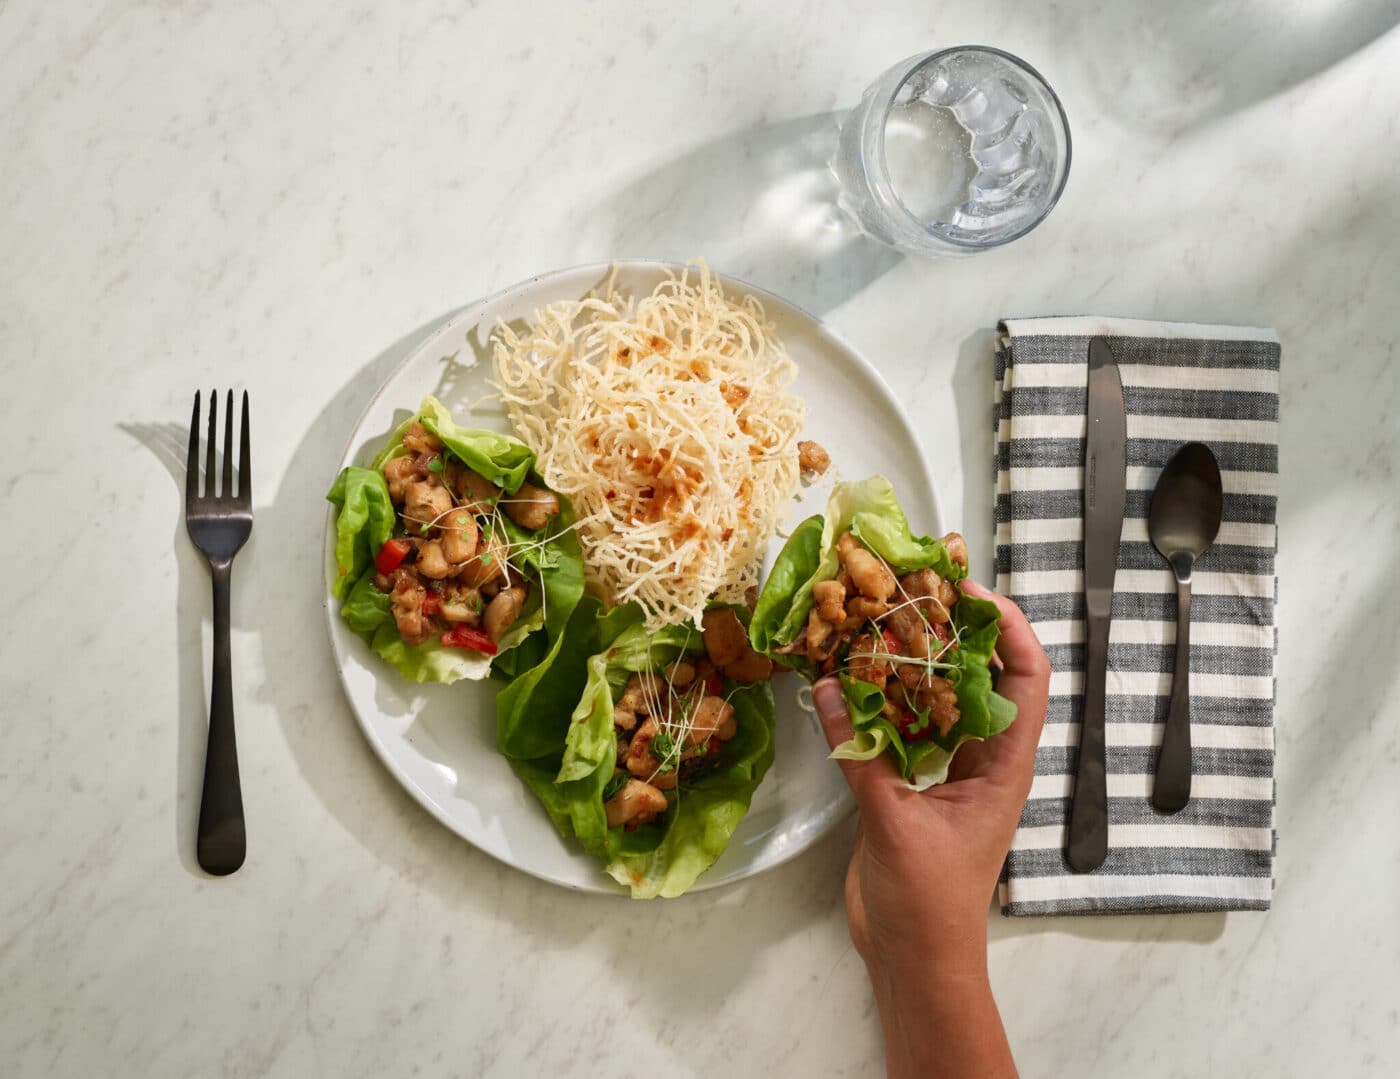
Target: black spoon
(1187,504)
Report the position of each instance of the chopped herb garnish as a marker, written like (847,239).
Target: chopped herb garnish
(662,745)
(615,784)
(486,559)
(435,465)
(423,528)
(463,520)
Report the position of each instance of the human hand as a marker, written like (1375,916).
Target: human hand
(925,864)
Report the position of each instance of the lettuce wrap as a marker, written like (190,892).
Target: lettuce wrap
(366,519)
(870,511)
(665,857)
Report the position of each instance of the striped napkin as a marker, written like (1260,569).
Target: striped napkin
(1181,383)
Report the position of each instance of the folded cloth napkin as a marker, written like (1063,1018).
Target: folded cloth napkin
(1181,383)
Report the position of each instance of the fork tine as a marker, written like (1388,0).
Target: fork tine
(245,460)
(210,476)
(192,462)
(226,488)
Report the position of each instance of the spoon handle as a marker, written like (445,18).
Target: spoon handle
(1172,788)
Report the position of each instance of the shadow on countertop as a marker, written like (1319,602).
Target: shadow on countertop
(760,205)
(1208,61)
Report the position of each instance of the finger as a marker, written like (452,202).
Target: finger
(855,899)
(853,868)
(870,781)
(1019,648)
(1025,681)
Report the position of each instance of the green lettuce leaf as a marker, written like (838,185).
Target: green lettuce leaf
(431,661)
(867,508)
(539,777)
(554,554)
(696,831)
(364,521)
(870,510)
(666,857)
(502,459)
(529,653)
(366,611)
(786,599)
(533,710)
(589,741)
(873,733)
(366,608)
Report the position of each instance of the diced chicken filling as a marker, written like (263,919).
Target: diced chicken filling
(672,724)
(890,631)
(812,459)
(453,568)
(727,646)
(531,507)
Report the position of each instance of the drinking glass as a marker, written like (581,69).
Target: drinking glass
(953,152)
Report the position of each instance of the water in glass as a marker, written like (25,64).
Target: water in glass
(953,152)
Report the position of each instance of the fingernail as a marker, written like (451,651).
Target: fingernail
(827,699)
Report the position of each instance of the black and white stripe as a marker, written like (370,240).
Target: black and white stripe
(1181,383)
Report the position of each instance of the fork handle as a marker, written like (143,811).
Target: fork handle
(222,842)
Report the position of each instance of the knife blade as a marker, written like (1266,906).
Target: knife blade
(1105,490)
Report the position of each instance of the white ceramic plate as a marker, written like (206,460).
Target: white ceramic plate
(438,741)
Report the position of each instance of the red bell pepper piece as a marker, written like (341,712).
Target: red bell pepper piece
(390,555)
(905,722)
(469,637)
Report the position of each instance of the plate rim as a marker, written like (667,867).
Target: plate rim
(474,311)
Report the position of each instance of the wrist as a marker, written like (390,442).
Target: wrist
(954,949)
(932,980)
(940,1018)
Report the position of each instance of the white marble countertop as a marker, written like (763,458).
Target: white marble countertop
(280,196)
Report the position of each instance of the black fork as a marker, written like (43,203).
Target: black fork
(218,522)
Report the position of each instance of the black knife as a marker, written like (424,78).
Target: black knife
(1105,483)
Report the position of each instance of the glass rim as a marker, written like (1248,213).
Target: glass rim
(888,104)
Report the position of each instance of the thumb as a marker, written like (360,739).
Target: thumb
(868,779)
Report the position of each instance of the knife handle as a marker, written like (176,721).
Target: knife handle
(1088,813)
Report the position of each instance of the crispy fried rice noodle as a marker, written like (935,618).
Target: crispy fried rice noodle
(668,423)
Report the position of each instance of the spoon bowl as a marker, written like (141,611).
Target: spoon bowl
(1187,505)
